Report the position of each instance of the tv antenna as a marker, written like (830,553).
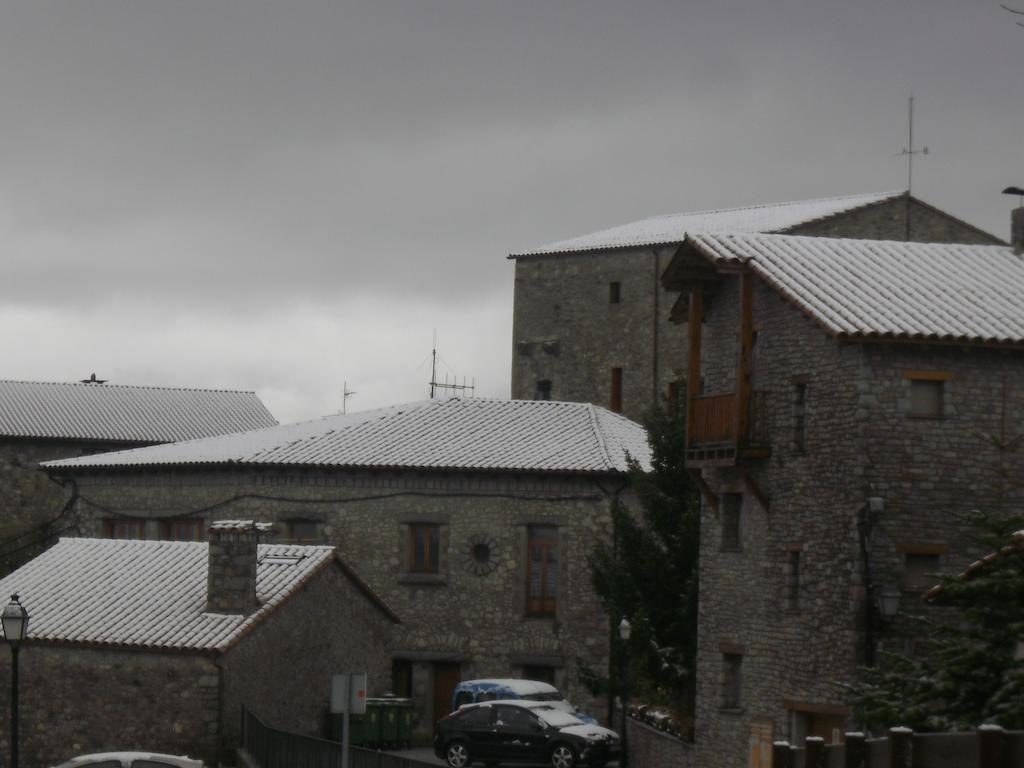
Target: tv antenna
(909,150)
(448,387)
(346,393)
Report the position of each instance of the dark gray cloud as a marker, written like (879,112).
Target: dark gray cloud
(244,159)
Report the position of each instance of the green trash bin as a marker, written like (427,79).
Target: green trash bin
(405,713)
(363,729)
(369,725)
(388,720)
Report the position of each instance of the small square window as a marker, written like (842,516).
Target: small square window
(424,548)
(614,293)
(543,391)
(732,666)
(926,396)
(732,505)
(302,531)
(919,571)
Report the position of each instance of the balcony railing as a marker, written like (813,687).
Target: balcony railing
(714,420)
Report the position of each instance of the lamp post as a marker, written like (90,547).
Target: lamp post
(625,630)
(15,623)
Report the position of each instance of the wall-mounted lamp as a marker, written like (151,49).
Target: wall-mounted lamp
(889,601)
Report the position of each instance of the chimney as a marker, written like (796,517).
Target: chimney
(231,574)
(1017,230)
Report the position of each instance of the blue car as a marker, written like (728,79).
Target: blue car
(491,689)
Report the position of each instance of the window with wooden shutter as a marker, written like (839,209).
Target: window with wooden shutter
(185,529)
(424,548)
(542,571)
(615,396)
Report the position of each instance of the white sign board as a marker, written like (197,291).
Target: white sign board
(348,693)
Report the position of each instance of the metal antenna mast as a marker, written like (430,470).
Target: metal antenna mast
(346,393)
(451,387)
(909,151)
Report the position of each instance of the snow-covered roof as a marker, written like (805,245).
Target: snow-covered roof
(149,594)
(456,433)
(112,412)
(673,228)
(888,289)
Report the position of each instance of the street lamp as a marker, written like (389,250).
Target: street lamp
(625,630)
(15,623)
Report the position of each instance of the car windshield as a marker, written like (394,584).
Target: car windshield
(557,718)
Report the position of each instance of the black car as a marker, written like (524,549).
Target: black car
(517,731)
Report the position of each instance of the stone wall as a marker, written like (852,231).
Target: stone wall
(860,442)
(27,496)
(566,331)
(888,221)
(79,700)
(650,748)
(470,613)
(282,670)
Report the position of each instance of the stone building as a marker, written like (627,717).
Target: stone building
(591,320)
(853,398)
(157,645)
(40,421)
(473,518)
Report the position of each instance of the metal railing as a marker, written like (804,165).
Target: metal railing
(272,748)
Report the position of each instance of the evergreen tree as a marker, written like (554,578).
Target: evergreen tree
(647,573)
(965,672)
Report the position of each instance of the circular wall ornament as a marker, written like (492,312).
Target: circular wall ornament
(478,556)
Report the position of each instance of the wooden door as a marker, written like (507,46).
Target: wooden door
(446,677)
(760,744)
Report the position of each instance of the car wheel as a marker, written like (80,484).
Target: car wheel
(562,756)
(457,755)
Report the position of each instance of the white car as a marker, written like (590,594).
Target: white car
(130,760)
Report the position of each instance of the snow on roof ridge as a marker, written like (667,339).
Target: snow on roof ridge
(673,227)
(599,435)
(98,386)
(456,433)
(886,289)
(873,196)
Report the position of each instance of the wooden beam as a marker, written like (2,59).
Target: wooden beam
(705,490)
(743,372)
(755,489)
(694,331)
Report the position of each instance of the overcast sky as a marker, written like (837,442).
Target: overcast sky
(281,196)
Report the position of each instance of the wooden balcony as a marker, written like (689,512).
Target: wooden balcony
(712,438)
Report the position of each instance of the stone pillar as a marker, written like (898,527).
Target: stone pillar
(855,754)
(231,574)
(901,747)
(814,756)
(991,746)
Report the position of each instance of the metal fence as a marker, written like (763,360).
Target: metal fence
(270,748)
(988,747)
